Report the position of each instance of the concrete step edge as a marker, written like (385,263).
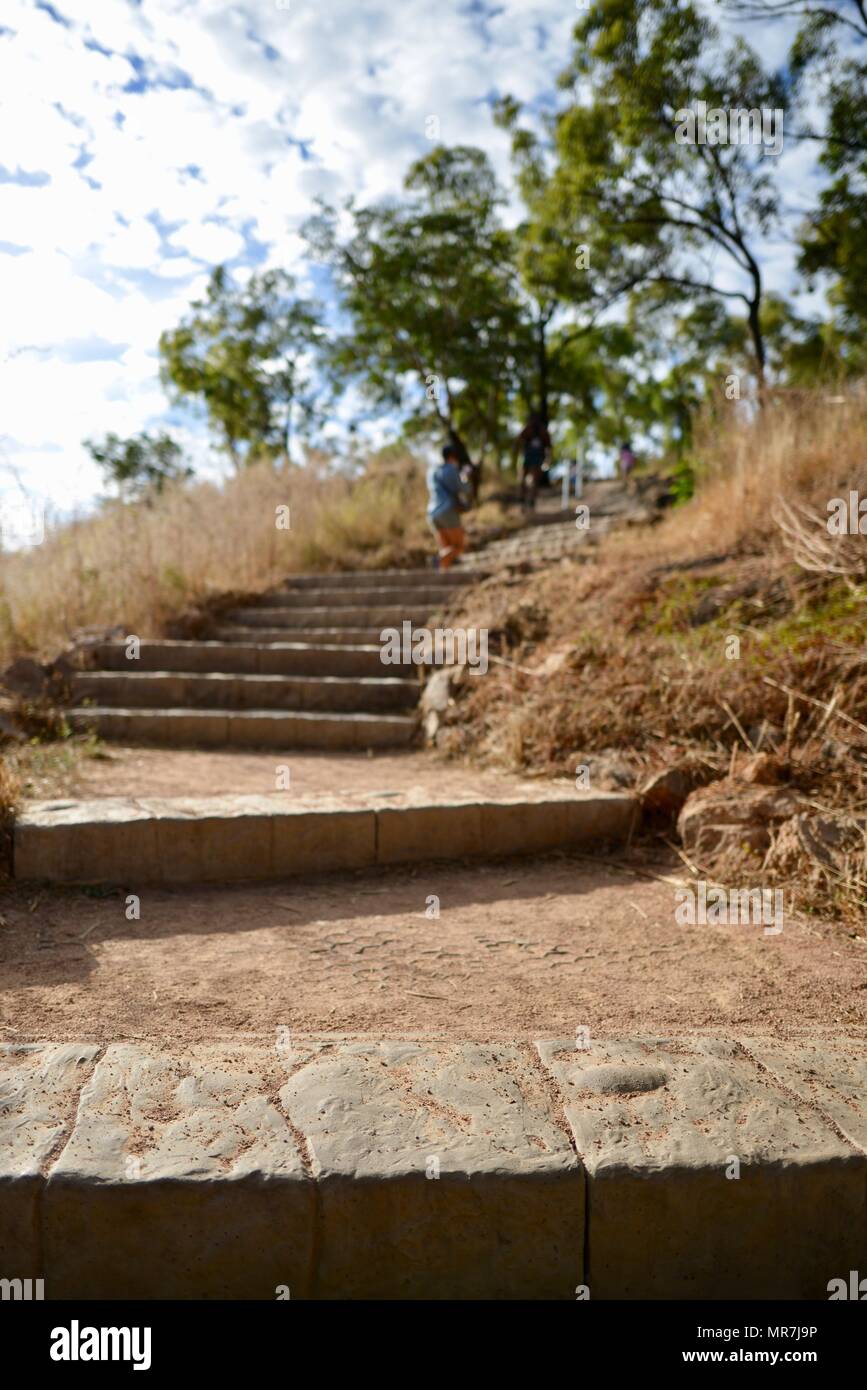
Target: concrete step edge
(278,729)
(566,1167)
(183,712)
(103,677)
(354,637)
(233,838)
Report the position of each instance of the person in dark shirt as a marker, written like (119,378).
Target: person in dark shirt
(535,443)
(470,472)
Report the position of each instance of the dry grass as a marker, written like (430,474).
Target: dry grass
(143,566)
(804,449)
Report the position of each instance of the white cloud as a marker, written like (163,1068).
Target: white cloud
(208,242)
(238,114)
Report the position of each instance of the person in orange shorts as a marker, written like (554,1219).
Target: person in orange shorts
(449,499)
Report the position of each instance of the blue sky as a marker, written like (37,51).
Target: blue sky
(148,140)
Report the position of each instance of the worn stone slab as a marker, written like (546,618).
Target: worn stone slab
(355,616)
(208,839)
(360,1168)
(253,657)
(603,816)
(231,691)
(323,659)
(190,839)
(272,729)
(179,727)
(78,841)
(475,827)
(410,833)
(182,1179)
(374,579)
(260,728)
(658,1127)
(504,1218)
(334,836)
(375,596)
(828,1075)
(39,1088)
(249,837)
(279,636)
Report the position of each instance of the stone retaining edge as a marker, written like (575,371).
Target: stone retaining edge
(236,838)
(336,1167)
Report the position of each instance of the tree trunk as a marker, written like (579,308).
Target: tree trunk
(758,344)
(232,446)
(542,359)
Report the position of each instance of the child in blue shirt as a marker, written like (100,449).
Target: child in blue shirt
(449,499)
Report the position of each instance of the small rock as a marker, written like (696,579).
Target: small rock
(553,663)
(25,677)
(730,814)
(765,769)
(812,838)
(437,691)
(664,793)
(606,771)
(10,731)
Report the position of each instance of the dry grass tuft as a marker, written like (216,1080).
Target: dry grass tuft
(144,566)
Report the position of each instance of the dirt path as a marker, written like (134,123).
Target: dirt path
(142,772)
(520,949)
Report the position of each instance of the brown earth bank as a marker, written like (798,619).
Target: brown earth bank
(631,663)
(521,949)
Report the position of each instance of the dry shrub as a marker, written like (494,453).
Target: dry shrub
(803,449)
(628,651)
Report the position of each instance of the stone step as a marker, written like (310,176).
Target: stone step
(329,1167)
(254,658)
(318,618)
(225,691)
(349,598)
(228,838)
(365,637)
(254,728)
(375,579)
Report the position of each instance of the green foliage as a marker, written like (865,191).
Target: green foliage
(830,49)
(626,295)
(243,353)
(683,479)
(437,328)
(141,465)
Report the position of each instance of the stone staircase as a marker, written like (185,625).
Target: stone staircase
(301,667)
(549,533)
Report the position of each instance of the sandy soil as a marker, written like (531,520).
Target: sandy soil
(123,771)
(521,949)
